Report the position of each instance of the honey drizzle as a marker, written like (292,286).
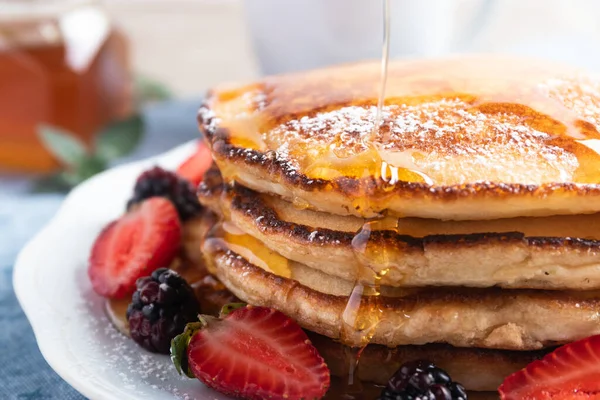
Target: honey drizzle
(225,235)
(385,60)
(364,310)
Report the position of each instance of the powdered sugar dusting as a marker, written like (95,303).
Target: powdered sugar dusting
(579,94)
(134,369)
(448,140)
(208,119)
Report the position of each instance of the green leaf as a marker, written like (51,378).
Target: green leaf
(69,178)
(119,138)
(89,167)
(229,308)
(54,183)
(148,90)
(69,149)
(179,346)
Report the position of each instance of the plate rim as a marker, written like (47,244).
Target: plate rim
(24,271)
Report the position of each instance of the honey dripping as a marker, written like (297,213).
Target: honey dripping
(385,58)
(364,310)
(225,235)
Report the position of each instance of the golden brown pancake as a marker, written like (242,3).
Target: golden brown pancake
(558,252)
(466,138)
(463,317)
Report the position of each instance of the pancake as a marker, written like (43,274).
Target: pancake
(466,138)
(462,317)
(554,253)
(476,369)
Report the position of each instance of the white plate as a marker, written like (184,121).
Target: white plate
(67,317)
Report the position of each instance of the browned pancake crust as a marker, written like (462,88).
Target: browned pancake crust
(507,259)
(290,97)
(485,318)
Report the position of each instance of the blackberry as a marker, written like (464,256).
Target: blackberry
(422,380)
(160,308)
(157,182)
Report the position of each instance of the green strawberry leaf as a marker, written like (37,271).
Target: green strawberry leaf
(119,138)
(229,308)
(179,346)
(148,91)
(64,145)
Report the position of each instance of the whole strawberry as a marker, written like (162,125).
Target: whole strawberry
(252,353)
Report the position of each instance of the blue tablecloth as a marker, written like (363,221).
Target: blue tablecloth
(24,375)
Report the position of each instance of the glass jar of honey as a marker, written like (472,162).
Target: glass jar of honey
(62,63)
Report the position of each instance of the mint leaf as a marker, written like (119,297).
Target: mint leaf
(119,138)
(51,184)
(64,145)
(87,168)
(65,180)
(147,91)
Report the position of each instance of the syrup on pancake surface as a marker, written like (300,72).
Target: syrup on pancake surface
(462,138)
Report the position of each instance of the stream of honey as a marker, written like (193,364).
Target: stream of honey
(364,309)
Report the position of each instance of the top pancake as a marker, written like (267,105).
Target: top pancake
(461,138)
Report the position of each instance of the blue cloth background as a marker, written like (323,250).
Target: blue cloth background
(24,374)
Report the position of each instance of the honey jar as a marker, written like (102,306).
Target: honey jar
(62,63)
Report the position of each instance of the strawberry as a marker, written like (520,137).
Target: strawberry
(193,168)
(570,372)
(144,239)
(252,353)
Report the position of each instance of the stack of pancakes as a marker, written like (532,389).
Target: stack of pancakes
(459,225)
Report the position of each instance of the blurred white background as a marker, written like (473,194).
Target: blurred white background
(193,44)
(188,44)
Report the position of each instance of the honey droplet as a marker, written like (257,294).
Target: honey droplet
(361,315)
(300,204)
(364,310)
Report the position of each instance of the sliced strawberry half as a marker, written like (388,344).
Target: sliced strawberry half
(255,353)
(193,168)
(570,372)
(133,246)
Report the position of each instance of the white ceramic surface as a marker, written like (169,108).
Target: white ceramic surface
(68,319)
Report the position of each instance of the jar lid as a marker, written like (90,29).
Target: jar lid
(81,26)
